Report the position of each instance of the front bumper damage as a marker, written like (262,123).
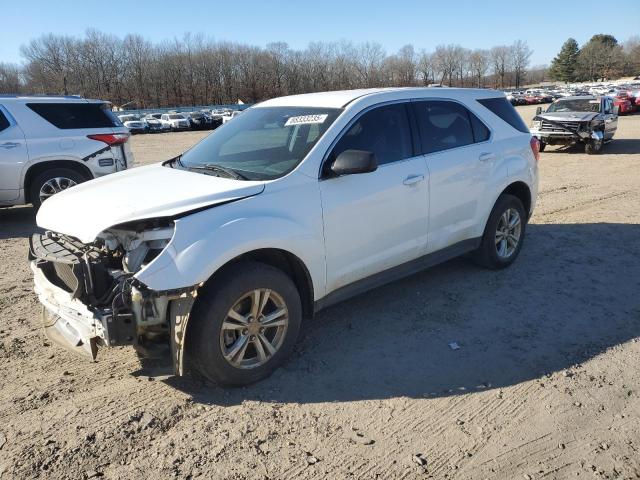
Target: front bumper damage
(88,305)
(553,132)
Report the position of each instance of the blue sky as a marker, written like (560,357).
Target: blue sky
(473,24)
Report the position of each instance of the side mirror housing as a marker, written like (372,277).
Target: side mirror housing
(538,110)
(351,162)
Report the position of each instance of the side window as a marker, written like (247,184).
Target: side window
(75,115)
(384,131)
(4,122)
(443,125)
(480,131)
(607,106)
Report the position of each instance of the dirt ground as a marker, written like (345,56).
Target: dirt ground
(545,383)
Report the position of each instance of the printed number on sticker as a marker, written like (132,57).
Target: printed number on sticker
(306,119)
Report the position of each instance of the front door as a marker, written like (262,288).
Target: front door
(378,220)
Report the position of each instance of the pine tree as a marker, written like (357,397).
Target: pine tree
(563,66)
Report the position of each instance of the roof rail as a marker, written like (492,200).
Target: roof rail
(18,95)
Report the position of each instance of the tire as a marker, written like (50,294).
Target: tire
(593,147)
(491,254)
(207,341)
(63,177)
(542,146)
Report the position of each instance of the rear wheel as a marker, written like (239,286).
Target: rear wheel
(542,146)
(53,181)
(503,234)
(245,324)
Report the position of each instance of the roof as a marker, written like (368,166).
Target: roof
(49,98)
(341,98)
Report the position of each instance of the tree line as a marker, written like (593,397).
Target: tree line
(195,70)
(601,58)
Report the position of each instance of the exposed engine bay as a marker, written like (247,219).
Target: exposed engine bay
(90,292)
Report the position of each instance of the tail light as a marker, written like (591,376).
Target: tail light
(535,148)
(110,138)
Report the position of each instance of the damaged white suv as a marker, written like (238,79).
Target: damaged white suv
(298,203)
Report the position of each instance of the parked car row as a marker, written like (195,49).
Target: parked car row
(625,96)
(177,121)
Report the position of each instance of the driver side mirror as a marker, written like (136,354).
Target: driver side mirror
(354,161)
(538,110)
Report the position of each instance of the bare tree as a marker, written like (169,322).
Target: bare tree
(520,58)
(478,65)
(500,59)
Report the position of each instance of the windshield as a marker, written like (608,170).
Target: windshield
(128,118)
(176,117)
(577,105)
(263,143)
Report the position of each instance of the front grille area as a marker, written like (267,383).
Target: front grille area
(72,266)
(64,273)
(554,127)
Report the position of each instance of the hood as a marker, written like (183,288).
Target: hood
(140,193)
(568,116)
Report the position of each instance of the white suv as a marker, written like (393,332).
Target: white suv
(298,203)
(48,144)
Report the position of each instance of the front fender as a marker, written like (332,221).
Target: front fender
(200,246)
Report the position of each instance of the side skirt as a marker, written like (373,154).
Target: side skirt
(396,273)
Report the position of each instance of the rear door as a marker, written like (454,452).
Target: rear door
(378,220)
(13,156)
(459,155)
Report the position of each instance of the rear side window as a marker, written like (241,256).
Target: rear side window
(76,115)
(384,131)
(480,131)
(443,125)
(4,122)
(503,108)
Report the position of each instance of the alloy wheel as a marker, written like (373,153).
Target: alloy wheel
(53,186)
(254,329)
(508,233)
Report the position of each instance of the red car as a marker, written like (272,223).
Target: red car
(624,105)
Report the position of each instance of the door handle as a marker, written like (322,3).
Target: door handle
(413,179)
(9,144)
(485,157)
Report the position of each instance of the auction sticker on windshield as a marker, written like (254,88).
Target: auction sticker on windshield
(306,119)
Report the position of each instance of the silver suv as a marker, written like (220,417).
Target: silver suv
(48,144)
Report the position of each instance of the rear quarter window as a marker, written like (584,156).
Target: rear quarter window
(76,115)
(503,109)
(4,122)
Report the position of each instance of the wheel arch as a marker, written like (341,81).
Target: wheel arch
(36,169)
(285,261)
(521,191)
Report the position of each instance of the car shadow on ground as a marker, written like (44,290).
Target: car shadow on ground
(572,294)
(17,222)
(618,146)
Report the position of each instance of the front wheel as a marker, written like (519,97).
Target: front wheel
(244,324)
(503,234)
(593,147)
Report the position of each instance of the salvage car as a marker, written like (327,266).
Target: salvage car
(133,123)
(298,203)
(588,120)
(174,121)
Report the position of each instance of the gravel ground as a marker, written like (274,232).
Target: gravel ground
(545,383)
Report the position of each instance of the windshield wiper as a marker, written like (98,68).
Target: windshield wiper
(229,172)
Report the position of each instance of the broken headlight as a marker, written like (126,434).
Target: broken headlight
(140,242)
